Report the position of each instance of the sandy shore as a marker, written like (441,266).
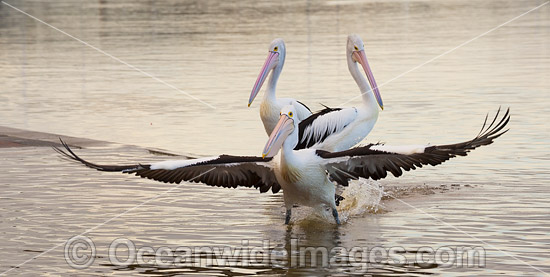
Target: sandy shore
(13,137)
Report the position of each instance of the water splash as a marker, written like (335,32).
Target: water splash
(361,196)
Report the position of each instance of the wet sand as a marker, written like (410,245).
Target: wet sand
(13,137)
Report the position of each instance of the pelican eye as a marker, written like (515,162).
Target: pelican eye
(356,49)
(276,48)
(290,114)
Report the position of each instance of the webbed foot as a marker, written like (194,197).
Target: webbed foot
(335,214)
(287,218)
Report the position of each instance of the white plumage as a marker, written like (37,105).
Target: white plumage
(171,165)
(330,125)
(331,129)
(402,149)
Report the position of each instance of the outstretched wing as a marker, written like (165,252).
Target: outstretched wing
(376,160)
(322,124)
(220,171)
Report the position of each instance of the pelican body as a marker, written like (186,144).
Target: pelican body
(338,129)
(300,173)
(303,175)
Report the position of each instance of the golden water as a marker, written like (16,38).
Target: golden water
(214,50)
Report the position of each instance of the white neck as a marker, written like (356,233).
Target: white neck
(291,141)
(362,83)
(272,86)
(272,82)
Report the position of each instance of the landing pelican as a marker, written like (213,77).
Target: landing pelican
(303,175)
(271,105)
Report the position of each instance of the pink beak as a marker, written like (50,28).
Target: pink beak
(361,58)
(268,65)
(284,127)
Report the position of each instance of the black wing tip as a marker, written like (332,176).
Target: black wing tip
(492,132)
(433,155)
(305,106)
(325,106)
(70,155)
(486,136)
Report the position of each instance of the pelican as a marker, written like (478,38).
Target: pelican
(303,175)
(271,105)
(338,129)
(330,129)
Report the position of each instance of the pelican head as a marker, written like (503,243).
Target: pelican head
(356,51)
(286,126)
(275,61)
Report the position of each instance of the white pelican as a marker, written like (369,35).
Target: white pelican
(338,129)
(331,129)
(271,105)
(302,174)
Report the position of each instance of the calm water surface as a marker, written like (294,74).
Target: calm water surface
(214,50)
